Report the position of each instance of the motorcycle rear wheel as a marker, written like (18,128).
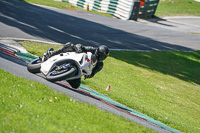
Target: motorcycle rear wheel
(34,66)
(75,83)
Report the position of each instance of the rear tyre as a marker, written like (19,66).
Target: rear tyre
(75,83)
(34,66)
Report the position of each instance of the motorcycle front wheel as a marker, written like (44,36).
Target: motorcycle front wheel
(34,66)
(61,72)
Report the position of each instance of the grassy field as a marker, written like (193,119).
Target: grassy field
(163,85)
(178,7)
(28,106)
(63,5)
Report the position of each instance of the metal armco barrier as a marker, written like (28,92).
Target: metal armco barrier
(119,8)
(148,9)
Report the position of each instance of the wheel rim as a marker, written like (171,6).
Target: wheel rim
(61,69)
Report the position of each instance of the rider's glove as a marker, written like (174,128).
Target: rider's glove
(86,76)
(78,48)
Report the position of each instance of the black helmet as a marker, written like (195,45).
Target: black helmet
(102,52)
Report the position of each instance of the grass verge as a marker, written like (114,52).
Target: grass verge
(28,106)
(164,85)
(178,7)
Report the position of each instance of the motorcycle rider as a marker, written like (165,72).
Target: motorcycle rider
(99,55)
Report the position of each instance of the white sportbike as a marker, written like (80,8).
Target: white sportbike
(65,66)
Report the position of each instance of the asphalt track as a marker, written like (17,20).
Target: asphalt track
(23,20)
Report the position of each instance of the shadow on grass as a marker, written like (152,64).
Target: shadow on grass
(183,65)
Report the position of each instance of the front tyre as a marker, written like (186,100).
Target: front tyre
(61,72)
(34,66)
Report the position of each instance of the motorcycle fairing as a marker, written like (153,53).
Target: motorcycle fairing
(81,60)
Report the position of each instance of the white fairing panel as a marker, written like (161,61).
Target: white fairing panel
(83,59)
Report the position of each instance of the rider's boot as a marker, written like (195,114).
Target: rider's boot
(47,54)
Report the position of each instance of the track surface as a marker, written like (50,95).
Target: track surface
(23,20)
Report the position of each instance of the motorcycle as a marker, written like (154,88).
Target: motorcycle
(70,66)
